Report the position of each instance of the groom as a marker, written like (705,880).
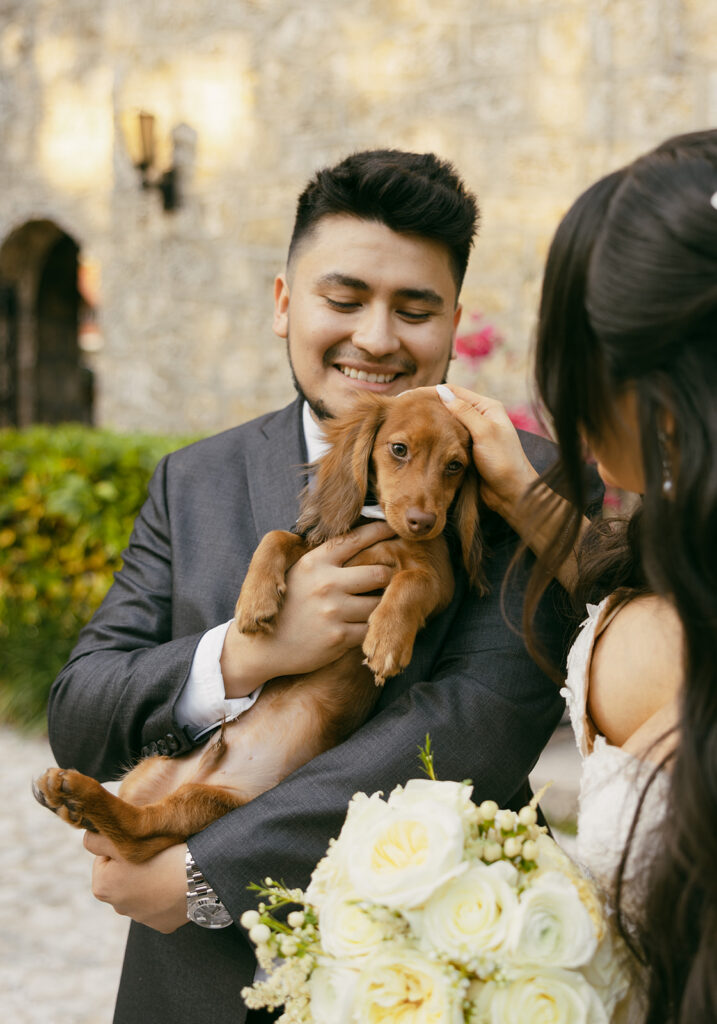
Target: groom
(368,302)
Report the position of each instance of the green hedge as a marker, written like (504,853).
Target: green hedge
(68,498)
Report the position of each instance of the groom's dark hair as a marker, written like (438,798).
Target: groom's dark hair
(411,193)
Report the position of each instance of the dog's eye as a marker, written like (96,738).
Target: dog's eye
(399,449)
(454,467)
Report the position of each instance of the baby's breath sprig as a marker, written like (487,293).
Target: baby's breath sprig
(296,936)
(502,834)
(425,756)
(277,893)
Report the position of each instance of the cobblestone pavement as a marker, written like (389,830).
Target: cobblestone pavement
(61,950)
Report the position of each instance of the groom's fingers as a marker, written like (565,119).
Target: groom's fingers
(341,549)
(100,846)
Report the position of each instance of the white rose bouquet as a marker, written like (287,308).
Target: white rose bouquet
(428,908)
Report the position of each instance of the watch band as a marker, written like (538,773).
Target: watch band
(203,905)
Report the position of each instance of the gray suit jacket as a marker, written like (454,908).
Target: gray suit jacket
(471,685)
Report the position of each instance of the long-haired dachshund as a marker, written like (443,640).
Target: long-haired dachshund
(414,459)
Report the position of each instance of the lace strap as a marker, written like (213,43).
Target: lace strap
(577,680)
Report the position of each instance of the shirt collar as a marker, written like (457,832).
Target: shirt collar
(316,443)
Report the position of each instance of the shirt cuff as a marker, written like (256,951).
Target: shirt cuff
(202,704)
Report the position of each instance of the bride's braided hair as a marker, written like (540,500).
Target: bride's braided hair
(630,297)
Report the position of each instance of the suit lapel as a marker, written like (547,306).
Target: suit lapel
(277,476)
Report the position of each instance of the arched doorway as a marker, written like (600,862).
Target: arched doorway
(43,375)
(8,356)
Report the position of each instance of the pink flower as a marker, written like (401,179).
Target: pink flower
(612,499)
(479,343)
(523,419)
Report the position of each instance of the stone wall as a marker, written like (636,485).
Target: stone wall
(532,99)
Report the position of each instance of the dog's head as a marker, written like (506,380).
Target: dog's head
(414,456)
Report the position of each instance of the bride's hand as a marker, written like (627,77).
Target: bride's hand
(505,470)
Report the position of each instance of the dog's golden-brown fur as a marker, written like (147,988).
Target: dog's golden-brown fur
(415,458)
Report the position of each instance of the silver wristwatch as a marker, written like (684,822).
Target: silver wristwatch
(203,905)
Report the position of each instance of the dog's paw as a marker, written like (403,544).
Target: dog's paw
(259,605)
(64,793)
(386,655)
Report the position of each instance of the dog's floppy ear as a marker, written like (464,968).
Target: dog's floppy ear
(467,522)
(332,502)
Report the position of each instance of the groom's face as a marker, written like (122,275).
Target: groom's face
(365,309)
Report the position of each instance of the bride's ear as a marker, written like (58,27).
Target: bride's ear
(668,424)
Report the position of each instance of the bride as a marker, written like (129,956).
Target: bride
(626,362)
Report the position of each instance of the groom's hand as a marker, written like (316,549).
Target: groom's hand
(153,893)
(324,614)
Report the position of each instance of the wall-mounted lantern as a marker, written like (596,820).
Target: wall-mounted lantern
(140,140)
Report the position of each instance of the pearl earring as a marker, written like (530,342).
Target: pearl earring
(667,485)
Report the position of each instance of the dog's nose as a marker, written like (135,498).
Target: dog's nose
(420,522)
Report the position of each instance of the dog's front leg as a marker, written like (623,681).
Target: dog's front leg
(409,599)
(263,590)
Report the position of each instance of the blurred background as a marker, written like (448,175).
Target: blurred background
(150,159)
(149,308)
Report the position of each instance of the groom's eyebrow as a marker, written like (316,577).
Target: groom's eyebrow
(426,295)
(326,280)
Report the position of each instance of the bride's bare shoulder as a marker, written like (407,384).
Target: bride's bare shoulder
(636,674)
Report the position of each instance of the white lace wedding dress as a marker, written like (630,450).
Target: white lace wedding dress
(611,784)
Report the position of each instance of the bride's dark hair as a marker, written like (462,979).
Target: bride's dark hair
(629,299)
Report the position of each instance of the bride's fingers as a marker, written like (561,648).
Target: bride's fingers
(497,452)
(481,403)
(477,412)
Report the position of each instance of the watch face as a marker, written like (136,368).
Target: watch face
(210,913)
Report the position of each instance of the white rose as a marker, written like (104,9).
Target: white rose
(551,857)
(347,930)
(331,990)
(398,854)
(469,916)
(609,971)
(332,870)
(324,878)
(552,926)
(401,986)
(552,996)
(455,795)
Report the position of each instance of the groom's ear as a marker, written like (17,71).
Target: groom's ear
(281,306)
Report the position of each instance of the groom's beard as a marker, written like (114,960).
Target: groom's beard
(317,406)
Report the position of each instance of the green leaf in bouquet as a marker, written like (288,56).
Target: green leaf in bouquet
(425,757)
